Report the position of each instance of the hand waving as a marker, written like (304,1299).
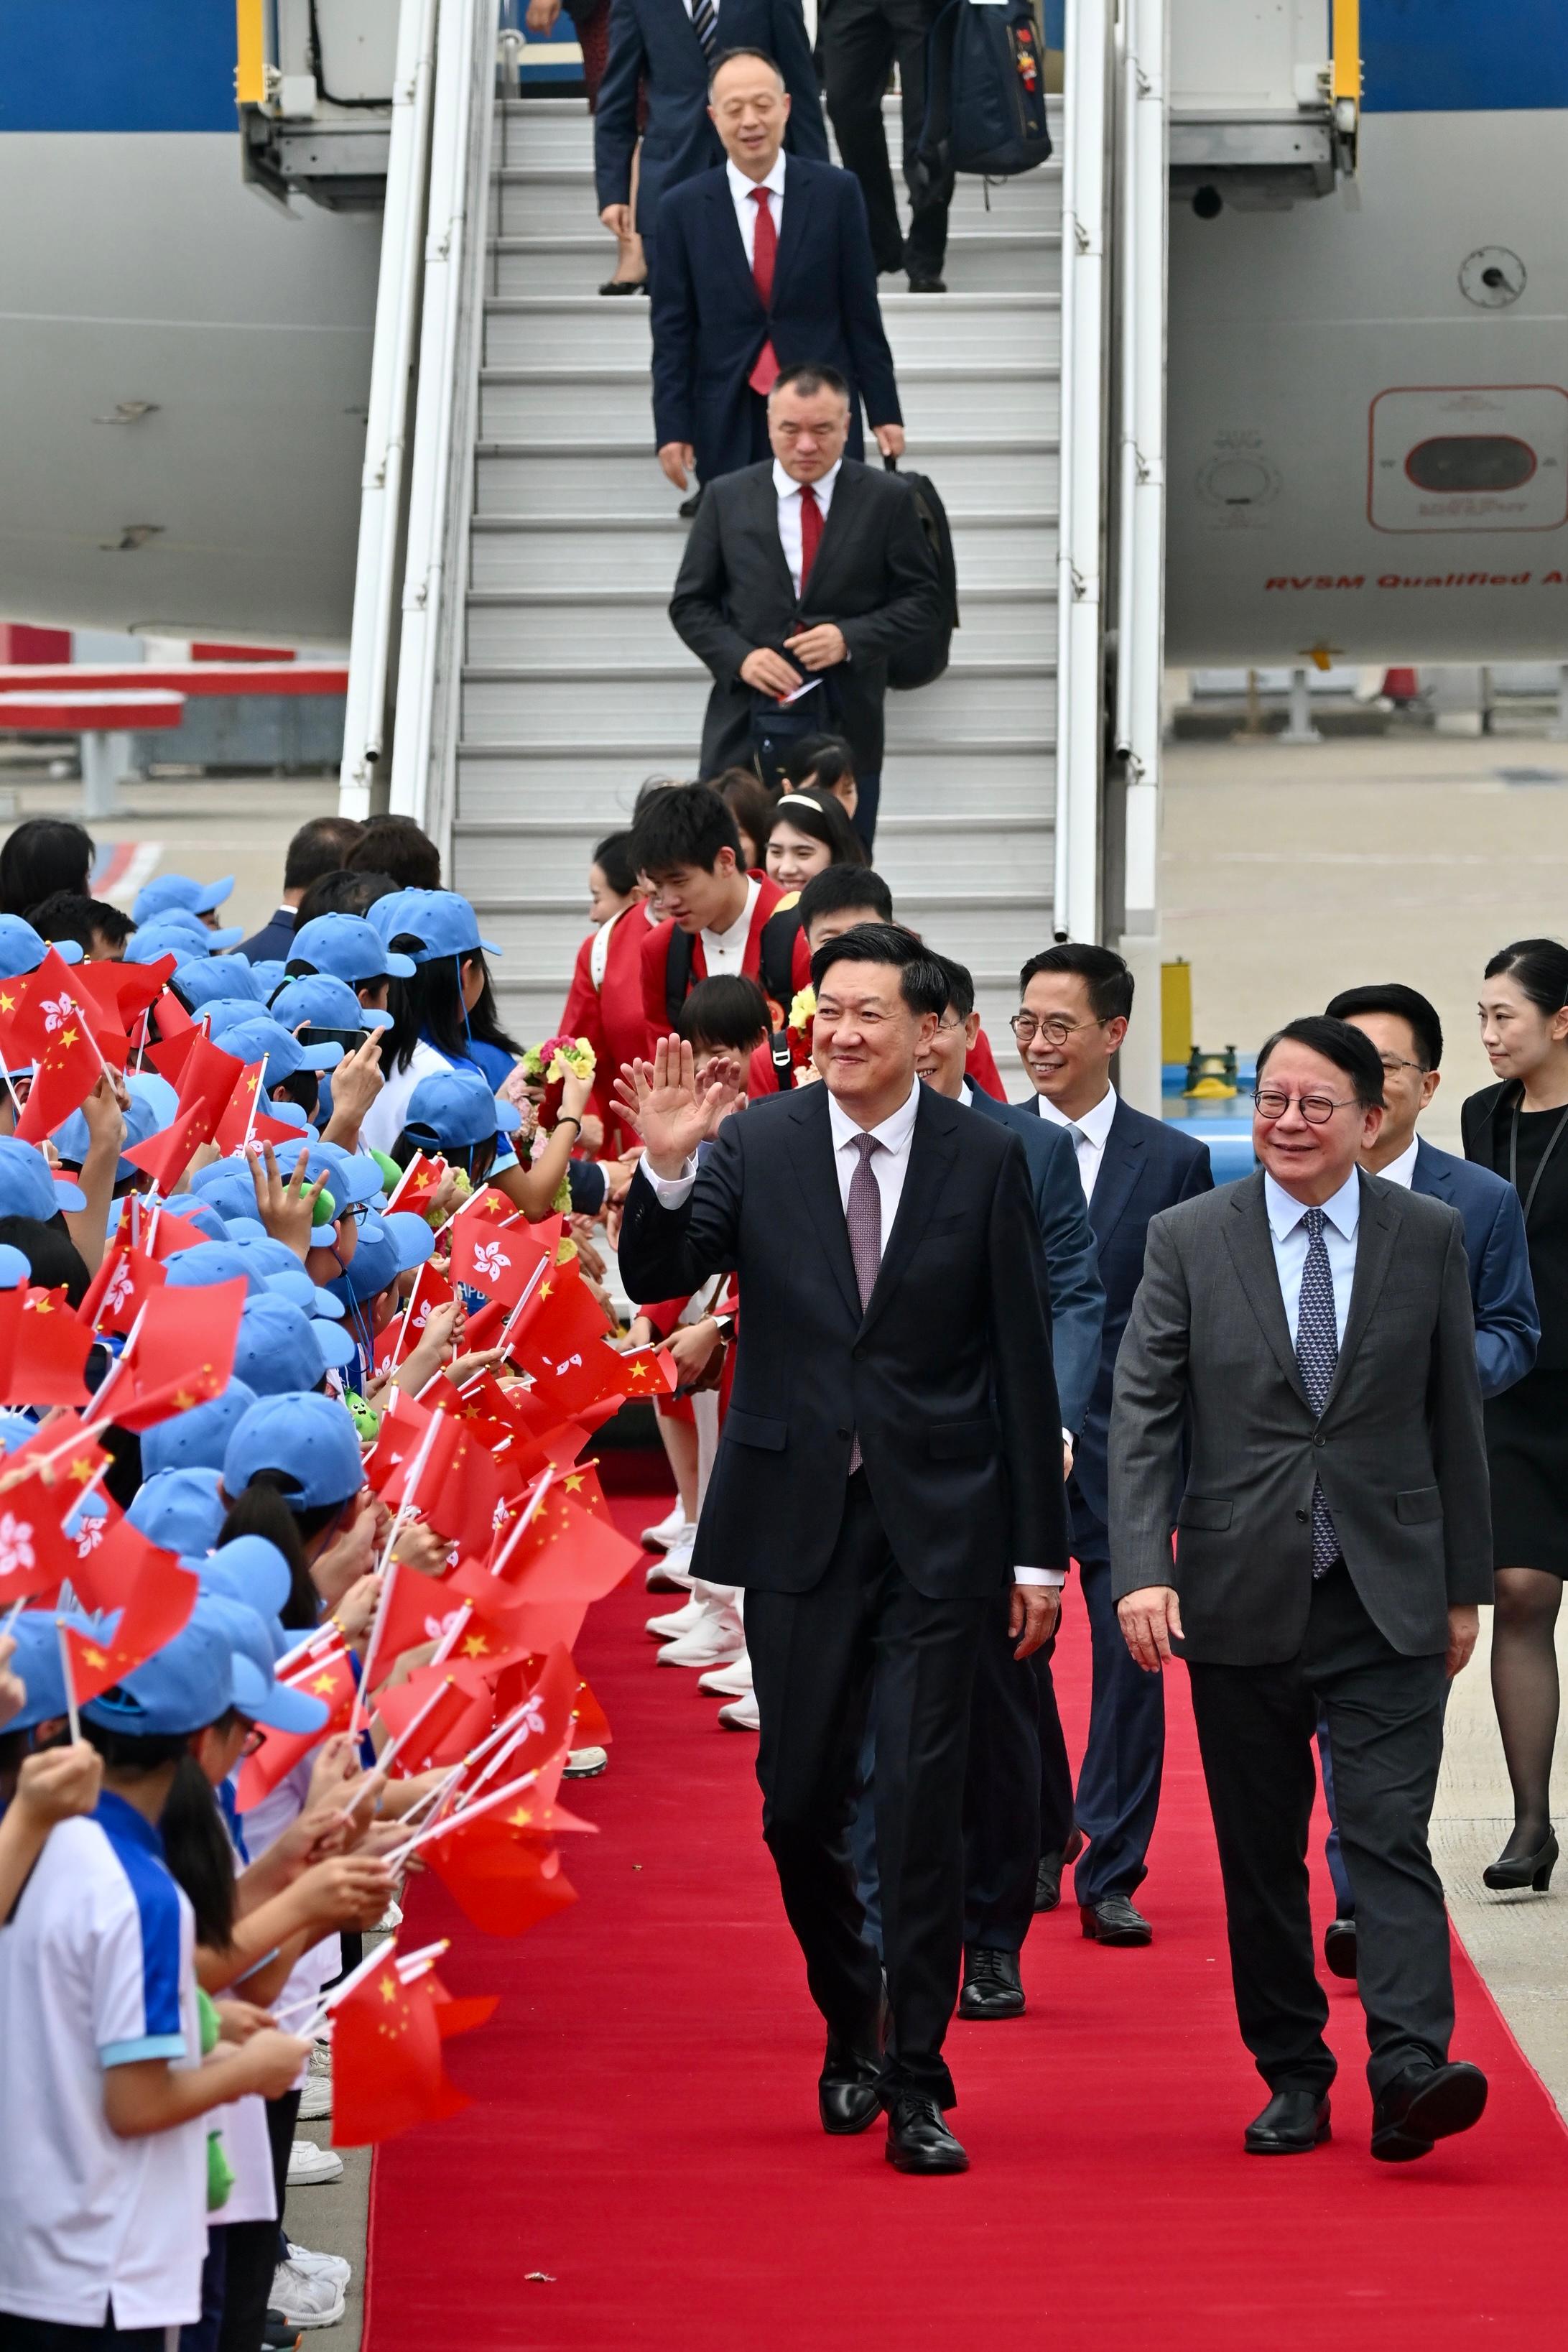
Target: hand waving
(661,1099)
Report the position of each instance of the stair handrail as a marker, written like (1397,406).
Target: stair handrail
(1079,667)
(377,574)
(430,650)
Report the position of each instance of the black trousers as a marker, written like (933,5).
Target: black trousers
(1002,1793)
(1255,1728)
(864,1639)
(17,2334)
(252,2250)
(1123,1756)
(1056,1804)
(858,42)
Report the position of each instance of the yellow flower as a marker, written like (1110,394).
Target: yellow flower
(802,1008)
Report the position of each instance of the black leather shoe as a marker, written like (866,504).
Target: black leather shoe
(624,286)
(1292,2124)
(1048,1870)
(917,2138)
(847,2098)
(992,1985)
(1114,1920)
(1533,1870)
(928,285)
(1339,1948)
(1427,2104)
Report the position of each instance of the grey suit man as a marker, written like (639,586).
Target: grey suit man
(1310,1330)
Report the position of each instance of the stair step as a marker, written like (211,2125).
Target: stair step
(599,782)
(558,196)
(613,404)
(609,479)
(574,261)
(584,330)
(542,626)
(565,554)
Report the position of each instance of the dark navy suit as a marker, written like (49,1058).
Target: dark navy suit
(709,323)
(1017,1752)
(653,43)
(1146,1167)
(1508,1333)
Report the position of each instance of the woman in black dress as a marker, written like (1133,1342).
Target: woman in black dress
(1520,1128)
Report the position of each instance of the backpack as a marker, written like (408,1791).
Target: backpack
(775,976)
(920,659)
(986,80)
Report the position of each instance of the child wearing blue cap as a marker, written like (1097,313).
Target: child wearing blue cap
(103,2230)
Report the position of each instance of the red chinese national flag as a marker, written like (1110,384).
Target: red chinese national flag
(454,1485)
(208,1077)
(387,2070)
(43,1348)
(437,1713)
(183,1355)
(567,1554)
(121,1287)
(649,1371)
(561,1342)
(419,1183)
(154,1603)
(66,1073)
(503,1884)
(332,1682)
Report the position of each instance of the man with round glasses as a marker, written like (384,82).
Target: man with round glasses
(1305,1337)
(1075,1003)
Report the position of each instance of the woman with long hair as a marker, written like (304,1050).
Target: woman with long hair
(1520,1128)
(41,856)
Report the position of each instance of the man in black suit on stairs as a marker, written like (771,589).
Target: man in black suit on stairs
(763,263)
(887,1483)
(807,568)
(1076,1001)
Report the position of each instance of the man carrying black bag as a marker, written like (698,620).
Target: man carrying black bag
(802,576)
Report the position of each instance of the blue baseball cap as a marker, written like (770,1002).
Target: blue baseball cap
(26,1186)
(257,1037)
(226,1188)
(230,977)
(193,1211)
(180,1509)
(221,1009)
(269,970)
(256,1694)
(281,1271)
(22,949)
(391,1243)
(179,894)
(279,1346)
(196,1269)
(247,1569)
(72,1142)
(348,948)
(457,1107)
(184,936)
(38,1664)
(309,1440)
(183,1687)
(319,1001)
(443,922)
(163,1098)
(15,1267)
(195,1440)
(15,1428)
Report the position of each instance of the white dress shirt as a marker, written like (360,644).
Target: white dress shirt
(1402,1171)
(1287,1231)
(889,1166)
(725,951)
(741,191)
(1088,1133)
(788,495)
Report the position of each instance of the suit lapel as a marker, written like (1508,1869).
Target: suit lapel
(1432,1173)
(1252,1251)
(726,235)
(765,524)
(1376,1236)
(798,196)
(932,1151)
(1120,1165)
(838,529)
(811,1150)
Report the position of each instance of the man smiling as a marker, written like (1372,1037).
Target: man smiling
(880,1488)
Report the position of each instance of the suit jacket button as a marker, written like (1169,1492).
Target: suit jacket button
(1303,1516)
(846,1432)
(1320,1441)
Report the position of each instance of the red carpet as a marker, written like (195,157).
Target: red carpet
(646,2131)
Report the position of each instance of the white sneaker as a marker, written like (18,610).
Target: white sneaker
(727,1682)
(741,1714)
(663,1532)
(673,1573)
(310,2167)
(719,1641)
(304,2300)
(330,2266)
(315,2099)
(674,1622)
(585,1763)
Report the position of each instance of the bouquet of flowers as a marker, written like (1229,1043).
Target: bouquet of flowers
(547,1065)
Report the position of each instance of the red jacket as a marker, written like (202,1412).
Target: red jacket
(611,1015)
(656,952)
(979,1068)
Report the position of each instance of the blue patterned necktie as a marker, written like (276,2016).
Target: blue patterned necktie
(704,22)
(1317,1354)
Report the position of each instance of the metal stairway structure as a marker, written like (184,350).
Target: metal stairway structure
(573,686)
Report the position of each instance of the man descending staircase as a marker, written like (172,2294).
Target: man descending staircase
(575,688)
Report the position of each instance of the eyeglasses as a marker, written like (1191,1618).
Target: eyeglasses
(1054,1029)
(1397,1061)
(1316,1109)
(949,1021)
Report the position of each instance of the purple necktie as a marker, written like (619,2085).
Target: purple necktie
(864,1220)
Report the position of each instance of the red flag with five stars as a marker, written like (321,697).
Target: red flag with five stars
(418,1185)
(66,1073)
(437,1715)
(155,1597)
(332,1682)
(208,1077)
(181,1356)
(387,2068)
(43,1348)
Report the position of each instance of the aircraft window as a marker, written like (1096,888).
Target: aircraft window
(1470,461)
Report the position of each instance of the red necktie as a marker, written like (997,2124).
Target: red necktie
(764,254)
(810,533)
